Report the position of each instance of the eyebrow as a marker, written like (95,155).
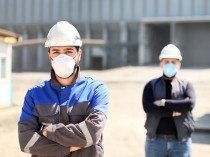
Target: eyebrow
(55,49)
(69,48)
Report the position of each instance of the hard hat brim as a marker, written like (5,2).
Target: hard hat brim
(66,43)
(170,56)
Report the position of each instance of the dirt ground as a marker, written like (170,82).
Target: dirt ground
(124,134)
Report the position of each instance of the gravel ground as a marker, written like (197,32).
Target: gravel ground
(124,133)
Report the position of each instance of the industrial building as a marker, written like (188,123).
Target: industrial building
(134,31)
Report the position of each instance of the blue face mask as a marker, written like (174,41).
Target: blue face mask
(170,70)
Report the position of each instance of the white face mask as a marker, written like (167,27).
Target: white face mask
(63,65)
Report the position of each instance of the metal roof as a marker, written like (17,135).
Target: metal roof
(9,37)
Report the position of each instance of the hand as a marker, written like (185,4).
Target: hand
(159,103)
(44,131)
(176,114)
(72,149)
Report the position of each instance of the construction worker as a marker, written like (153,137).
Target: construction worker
(66,115)
(168,102)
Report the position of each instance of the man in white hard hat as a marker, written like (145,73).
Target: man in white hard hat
(66,115)
(168,102)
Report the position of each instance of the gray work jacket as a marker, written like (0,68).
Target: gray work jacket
(184,123)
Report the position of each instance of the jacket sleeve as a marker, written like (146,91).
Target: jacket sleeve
(29,139)
(83,134)
(87,132)
(149,107)
(184,105)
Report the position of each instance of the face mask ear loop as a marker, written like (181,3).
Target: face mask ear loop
(75,55)
(51,58)
(77,52)
(76,64)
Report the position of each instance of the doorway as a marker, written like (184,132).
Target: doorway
(158,35)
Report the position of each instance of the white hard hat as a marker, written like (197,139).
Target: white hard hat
(170,51)
(63,34)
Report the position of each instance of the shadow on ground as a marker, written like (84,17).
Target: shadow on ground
(202,130)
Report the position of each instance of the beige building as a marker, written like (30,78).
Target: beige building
(6,88)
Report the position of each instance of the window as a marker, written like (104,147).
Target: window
(3,68)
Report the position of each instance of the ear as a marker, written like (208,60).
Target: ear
(161,64)
(179,65)
(80,54)
(49,56)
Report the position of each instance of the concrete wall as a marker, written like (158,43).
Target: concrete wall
(195,44)
(192,38)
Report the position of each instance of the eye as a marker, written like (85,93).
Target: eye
(69,51)
(55,52)
(175,62)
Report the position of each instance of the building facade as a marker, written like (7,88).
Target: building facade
(134,30)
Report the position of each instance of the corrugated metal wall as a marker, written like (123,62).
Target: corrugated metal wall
(48,11)
(135,30)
